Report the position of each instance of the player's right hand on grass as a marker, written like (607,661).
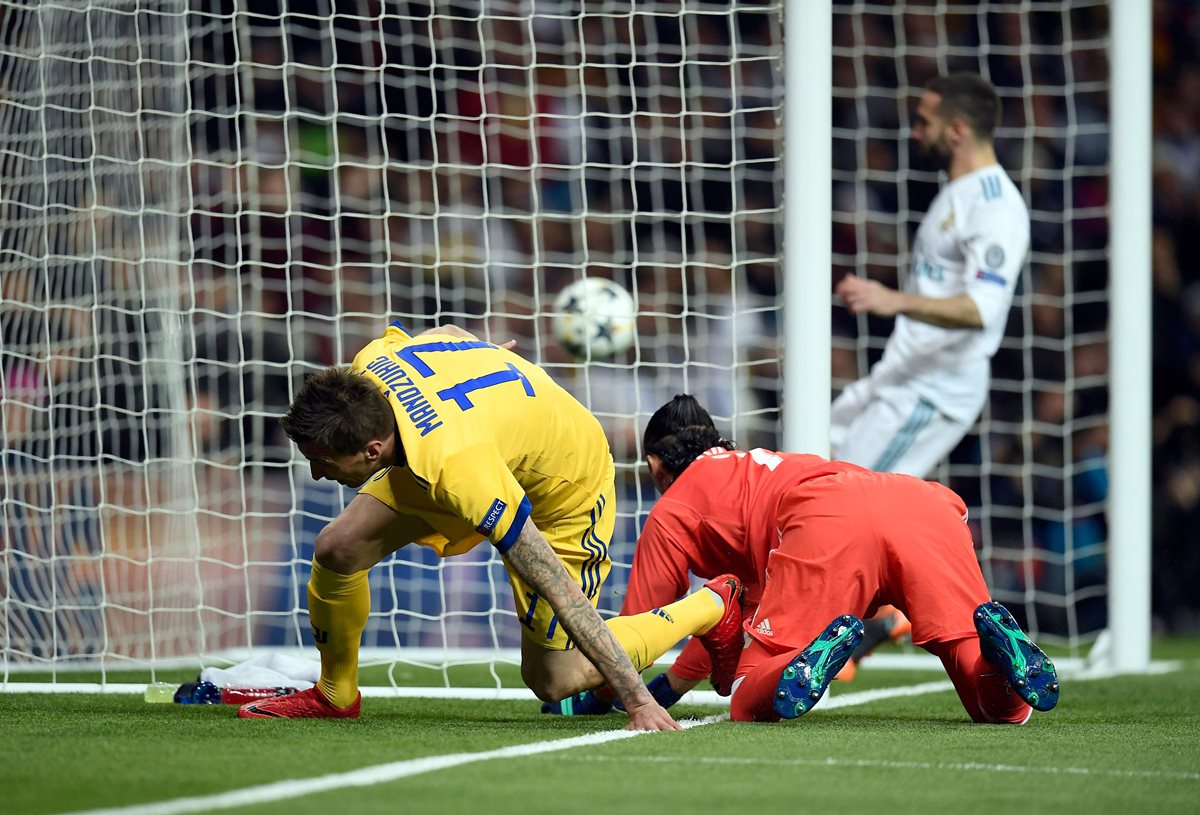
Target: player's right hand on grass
(650,715)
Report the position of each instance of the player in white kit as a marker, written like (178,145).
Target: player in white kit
(922,397)
(926,392)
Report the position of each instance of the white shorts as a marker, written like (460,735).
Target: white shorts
(891,431)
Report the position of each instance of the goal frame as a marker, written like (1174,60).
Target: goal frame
(807,183)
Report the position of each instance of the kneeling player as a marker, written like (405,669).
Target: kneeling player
(820,544)
(455,441)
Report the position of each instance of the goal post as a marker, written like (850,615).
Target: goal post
(808,211)
(1132,349)
(201,204)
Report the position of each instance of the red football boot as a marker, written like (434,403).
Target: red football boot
(307,704)
(724,642)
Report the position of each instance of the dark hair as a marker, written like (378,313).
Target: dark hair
(338,409)
(970,97)
(679,431)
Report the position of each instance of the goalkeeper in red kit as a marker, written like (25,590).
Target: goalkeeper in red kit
(819,545)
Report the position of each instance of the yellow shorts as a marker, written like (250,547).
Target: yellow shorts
(581,544)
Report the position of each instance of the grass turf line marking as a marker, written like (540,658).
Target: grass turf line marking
(868,763)
(382,773)
(862,697)
(368,776)
(1077,673)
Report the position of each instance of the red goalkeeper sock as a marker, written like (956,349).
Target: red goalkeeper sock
(754,693)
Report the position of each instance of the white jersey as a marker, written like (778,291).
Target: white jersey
(973,241)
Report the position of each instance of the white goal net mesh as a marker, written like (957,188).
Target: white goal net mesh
(203,203)
(99,547)
(1033,471)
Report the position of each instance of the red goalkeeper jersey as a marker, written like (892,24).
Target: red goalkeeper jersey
(719,516)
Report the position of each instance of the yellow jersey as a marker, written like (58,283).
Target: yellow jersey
(485,440)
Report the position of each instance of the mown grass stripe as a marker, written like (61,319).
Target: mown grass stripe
(369,776)
(868,763)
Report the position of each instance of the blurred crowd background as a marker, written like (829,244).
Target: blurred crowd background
(510,153)
(357,161)
(1176,270)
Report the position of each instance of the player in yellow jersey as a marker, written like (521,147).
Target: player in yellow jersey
(454,441)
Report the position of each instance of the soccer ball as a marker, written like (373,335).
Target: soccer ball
(594,318)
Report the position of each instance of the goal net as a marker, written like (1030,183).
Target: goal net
(202,203)
(1033,471)
(99,554)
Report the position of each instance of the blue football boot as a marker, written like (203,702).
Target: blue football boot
(806,677)
(581,704)
(1029,671)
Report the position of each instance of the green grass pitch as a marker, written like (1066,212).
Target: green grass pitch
(1121,744)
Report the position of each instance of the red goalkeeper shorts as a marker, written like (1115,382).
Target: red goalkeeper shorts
(853,541)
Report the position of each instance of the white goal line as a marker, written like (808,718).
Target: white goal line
(1069,668)
(384,773)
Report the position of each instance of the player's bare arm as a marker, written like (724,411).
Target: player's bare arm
(875,298)
(532,558)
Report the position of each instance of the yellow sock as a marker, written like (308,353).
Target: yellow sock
(338,605)
(646,637)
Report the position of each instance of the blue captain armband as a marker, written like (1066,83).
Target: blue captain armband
(510,537)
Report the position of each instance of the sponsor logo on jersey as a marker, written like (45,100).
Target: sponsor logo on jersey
(407,394)
(764,628)
(946,222)
(925,268)
(994,256)
(495,511)
(662,614)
